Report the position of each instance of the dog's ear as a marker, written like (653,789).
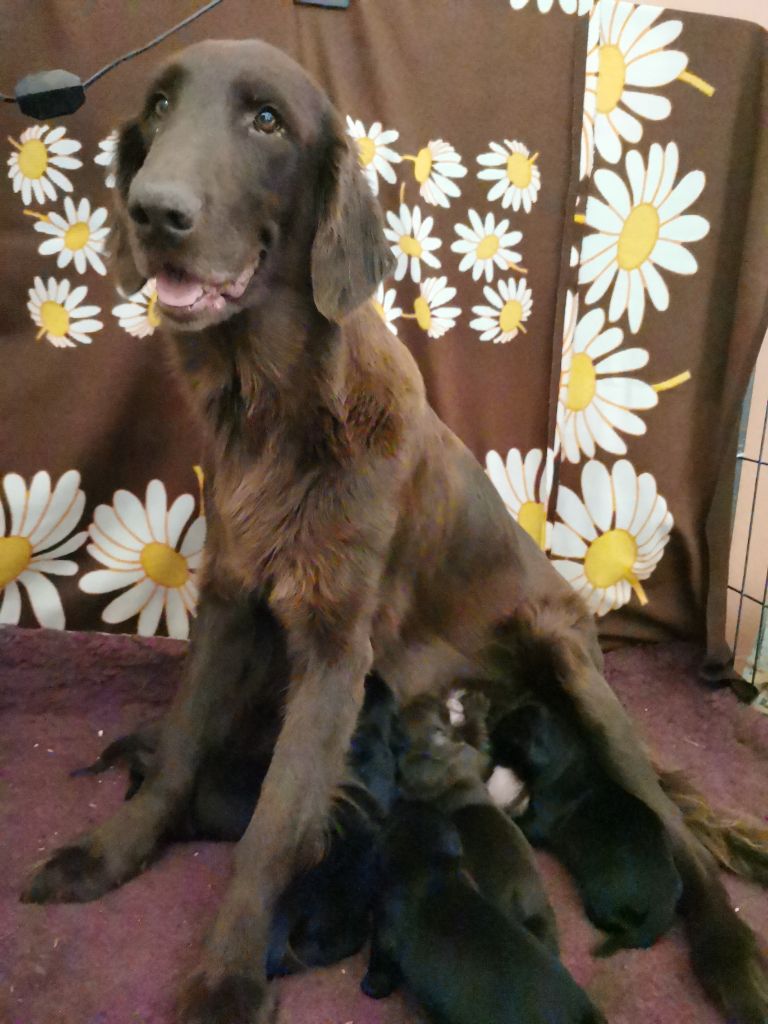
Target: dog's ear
(350,255)
(130,155)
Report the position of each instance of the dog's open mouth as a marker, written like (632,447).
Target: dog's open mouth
(180,293)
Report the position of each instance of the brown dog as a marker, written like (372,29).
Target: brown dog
(345,520)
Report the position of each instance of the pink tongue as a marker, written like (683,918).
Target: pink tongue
(174,291)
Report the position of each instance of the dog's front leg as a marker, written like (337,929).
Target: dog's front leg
(286,833)
(227,637)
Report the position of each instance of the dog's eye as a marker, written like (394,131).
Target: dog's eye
(162,105)
(267,120)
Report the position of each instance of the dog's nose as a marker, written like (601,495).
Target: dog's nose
(169,209)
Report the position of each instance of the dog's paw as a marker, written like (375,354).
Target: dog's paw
(377,984)
(231,999)
(73,874)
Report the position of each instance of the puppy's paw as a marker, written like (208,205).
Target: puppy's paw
(377,984)
(734,971)
(236,998)
(73,874)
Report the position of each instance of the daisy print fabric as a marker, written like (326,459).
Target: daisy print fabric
(412,243)
(525,485)
(138,315)
(512,168)
(641,225)
(151,554)
(38,529)
(486,246)
(37,163)
(77,237)
(610,538)
(436,168)
(58,311)
(598,399)
(509,306)
(374,152)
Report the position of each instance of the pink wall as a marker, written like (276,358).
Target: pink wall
(751,10)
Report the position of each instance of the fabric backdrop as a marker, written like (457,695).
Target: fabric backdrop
(576,194)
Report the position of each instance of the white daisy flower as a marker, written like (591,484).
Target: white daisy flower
(485,246)
(639,231)
(596,400)
(78,236)
(612,537)
(106,158)
(525,484)
(41,154)
(429,309)
(141,548)
(59,315)
(545,6)
(514,170)
(138,314)
(376,158)
(411,241)
(384,304)
(510,306)
(434,168)
(627,55)
(34,540)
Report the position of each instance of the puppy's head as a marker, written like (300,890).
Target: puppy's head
(237,178)
(419,841)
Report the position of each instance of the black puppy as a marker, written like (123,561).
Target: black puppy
(324,915)
(447,772)
(466,961)
(613,844)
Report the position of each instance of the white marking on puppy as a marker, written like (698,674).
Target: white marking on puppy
(506,789)
(456,708)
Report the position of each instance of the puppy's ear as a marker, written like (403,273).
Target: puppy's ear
(350,255)
(130,155)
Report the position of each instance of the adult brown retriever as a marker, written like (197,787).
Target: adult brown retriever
(345,520)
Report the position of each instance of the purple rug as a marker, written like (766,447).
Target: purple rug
(121,960)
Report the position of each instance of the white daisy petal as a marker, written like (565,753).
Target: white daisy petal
(44,598)
(129,603)
(149,619)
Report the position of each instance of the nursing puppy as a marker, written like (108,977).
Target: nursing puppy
(448,773)
(324,914)
(466,961)
(612,843)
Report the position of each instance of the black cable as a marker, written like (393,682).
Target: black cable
(135,53)
(148,46)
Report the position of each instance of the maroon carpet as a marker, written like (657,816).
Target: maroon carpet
(120,960)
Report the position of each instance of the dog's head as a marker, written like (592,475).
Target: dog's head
(237,179)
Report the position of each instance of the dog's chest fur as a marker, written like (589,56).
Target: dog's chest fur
(293,478)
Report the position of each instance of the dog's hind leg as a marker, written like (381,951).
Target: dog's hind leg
(227,639)
(554,645)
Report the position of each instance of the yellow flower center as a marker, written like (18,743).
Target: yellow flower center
(55,318)
(411,246)
(519,170)
(423,165)
(488,247)
(533,519)
(638,236)
(610,558)
(611,75)
(423,313)
(582,383)
(15,556)
(77,235)
(511,316)
(33,159)
(367,149)
(163,565)
(152,315)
